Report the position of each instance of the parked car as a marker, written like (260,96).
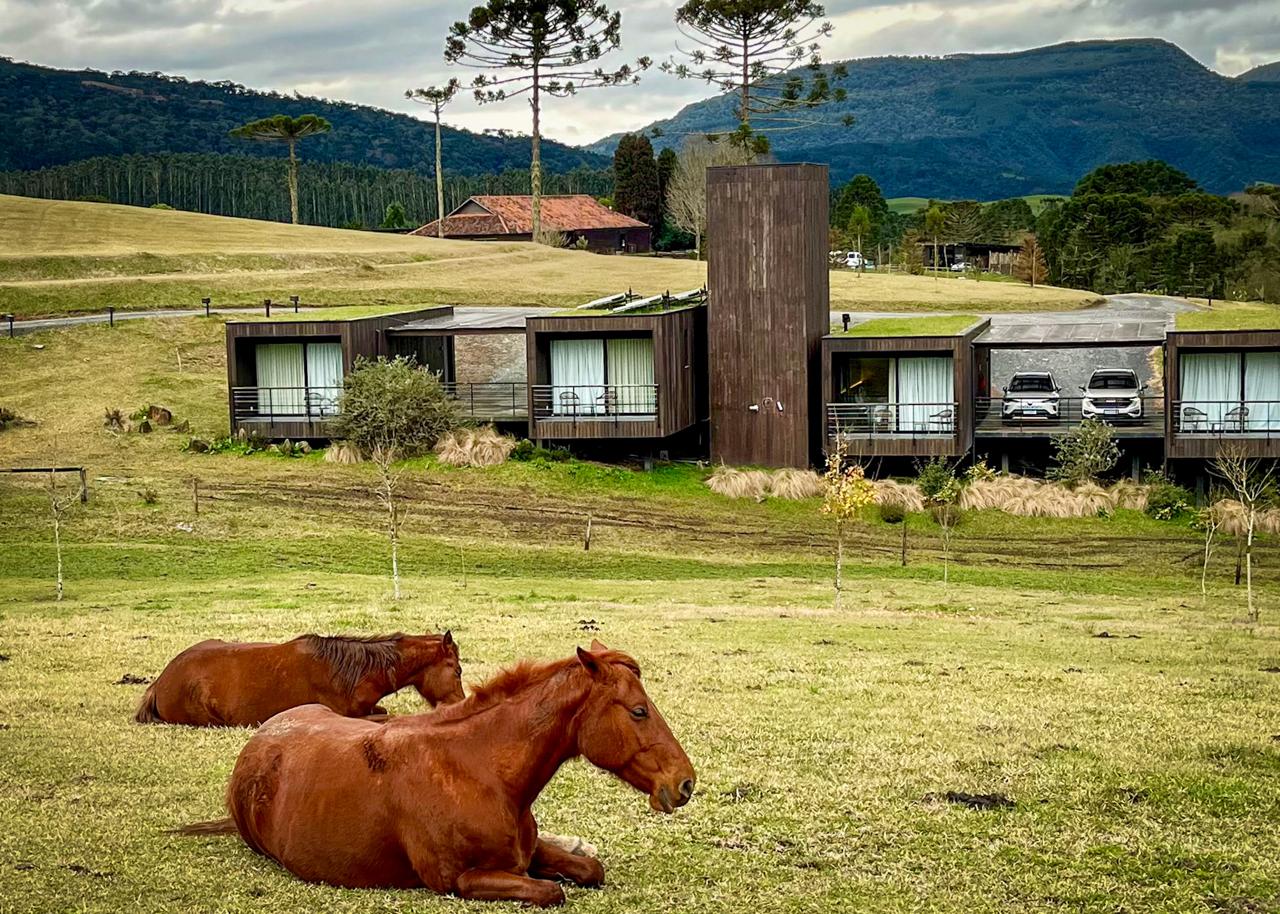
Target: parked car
(853,260)
(959,266)
(1031,395)
(1112,395)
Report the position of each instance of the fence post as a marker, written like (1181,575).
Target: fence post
(10,318)
(84,487)
(111,316)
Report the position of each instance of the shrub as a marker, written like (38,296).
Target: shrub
(342,452)
(113,419)
(1166,499)
(892,512)
(474,447)
(890,491)
(1086,452)
(936,480)
(149,496)
(392,406)
(979,472)
(795,484)
(528,452)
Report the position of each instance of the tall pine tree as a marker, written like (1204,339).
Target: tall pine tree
(636,189)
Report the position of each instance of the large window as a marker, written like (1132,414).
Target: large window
(907,394)
(593,376)
(1230,391)
(298,379)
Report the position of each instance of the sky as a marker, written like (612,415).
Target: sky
(371,52)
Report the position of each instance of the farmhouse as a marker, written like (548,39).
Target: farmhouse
(751,371)
(509,217)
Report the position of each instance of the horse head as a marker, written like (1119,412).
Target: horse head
(623,732)
(439,679)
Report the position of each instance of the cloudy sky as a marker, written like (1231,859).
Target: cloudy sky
(371,51)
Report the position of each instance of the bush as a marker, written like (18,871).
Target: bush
(1166,500)
(980,472)
(892,512)
(795,484)
(391,405)
(734,483)
(528,452)
(149,496)
(936,480)
(475,447)
(1084,453)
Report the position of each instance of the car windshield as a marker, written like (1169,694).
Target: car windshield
(1031,384)
(1115,380)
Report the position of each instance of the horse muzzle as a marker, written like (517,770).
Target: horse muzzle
(668,799)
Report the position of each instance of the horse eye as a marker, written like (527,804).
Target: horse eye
(458,671)
(640,712)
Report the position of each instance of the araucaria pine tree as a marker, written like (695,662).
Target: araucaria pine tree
(290,130)
(435,98)
(537,47)
(766,52)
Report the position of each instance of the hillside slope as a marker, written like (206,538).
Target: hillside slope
(65,258)
(987,126)
(59,116)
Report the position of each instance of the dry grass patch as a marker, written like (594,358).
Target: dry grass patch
(732,482)
(795,484)
(475,447)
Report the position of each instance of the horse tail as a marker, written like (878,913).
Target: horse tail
(148,712)
(224,826)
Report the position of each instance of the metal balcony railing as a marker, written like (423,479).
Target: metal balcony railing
(284,404)
(1141,415)
(490,399)
(1226,418)
(595,402)
(891,420)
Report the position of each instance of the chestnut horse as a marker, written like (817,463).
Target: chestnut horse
(232,684)
(443,800)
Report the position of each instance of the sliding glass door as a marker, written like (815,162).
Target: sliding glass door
(577,377)
(1262,391)
(629,370)
(298,379)
(1230,392)
(926,389)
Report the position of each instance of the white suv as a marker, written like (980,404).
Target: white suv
(1112,395)
(1031,395)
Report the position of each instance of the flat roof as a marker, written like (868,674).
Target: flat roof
(473,320)
(1076,334)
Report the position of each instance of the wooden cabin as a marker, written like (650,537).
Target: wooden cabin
(284,377)
(621,375)
(1222,386)
(900,387)
(509,217)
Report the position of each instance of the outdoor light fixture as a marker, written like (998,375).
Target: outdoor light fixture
(779,406)
(294,299)
(754,407)
(844,319)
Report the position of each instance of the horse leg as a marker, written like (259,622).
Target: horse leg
(551,861)
(499,885)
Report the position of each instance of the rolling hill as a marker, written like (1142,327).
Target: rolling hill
(986,126)
(53,117)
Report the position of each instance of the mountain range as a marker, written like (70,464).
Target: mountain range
(53,117)
(986,126)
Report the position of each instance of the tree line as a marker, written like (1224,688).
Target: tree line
(329,193)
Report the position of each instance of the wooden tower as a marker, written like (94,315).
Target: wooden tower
(768,309)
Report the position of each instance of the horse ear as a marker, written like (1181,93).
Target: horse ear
(589,661)
(596,646)
(447,640)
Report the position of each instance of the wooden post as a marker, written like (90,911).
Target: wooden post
(111,316)
(195,495)
(84,487)
(904,540)
(10,317)
(586,539)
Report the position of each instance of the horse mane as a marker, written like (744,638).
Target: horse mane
(351,658)
(517,678)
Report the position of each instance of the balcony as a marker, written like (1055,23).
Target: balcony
(491,401)
(1026,417)
(847,421)
(1209,419)
(595,404)
(302,410)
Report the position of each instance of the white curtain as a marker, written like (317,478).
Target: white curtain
(280,379)
(926,392)
(631,376)
(1262,391)
(324,376)
(577,377)
(1210,389)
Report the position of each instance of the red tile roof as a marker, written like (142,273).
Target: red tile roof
(513,215)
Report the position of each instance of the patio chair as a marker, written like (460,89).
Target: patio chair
(944,419)
(569,401)
(1236,419)
(1194,420)
(882,419)
(608,401)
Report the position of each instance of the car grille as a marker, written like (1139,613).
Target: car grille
(1113,404)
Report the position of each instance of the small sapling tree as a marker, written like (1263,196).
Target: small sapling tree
(846,491)
(61,501)
(1252,481)
(391,410)
(940,489)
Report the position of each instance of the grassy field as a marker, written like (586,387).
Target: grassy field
(907,205)
(1143,765)
(66,258)
(1229,315)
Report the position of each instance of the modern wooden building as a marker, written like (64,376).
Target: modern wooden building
(900,388)
(284,376)
(579,217)
(768,309)
(601,374)
(1222,387)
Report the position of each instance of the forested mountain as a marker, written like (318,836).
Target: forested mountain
(989,126)
(53,117)
(1267,73)
(329,193)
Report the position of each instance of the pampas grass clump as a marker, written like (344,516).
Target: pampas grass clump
(1230,516)
(734,483)
(343,452)
(891,492)
(475,447)
(1025,497)
(795,484)
(1130,495)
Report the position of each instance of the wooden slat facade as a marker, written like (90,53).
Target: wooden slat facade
(959,347)
(1208,446)
(679,370)
(769,307)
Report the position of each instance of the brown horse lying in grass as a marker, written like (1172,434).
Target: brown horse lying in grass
(230,684)
(443,800)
